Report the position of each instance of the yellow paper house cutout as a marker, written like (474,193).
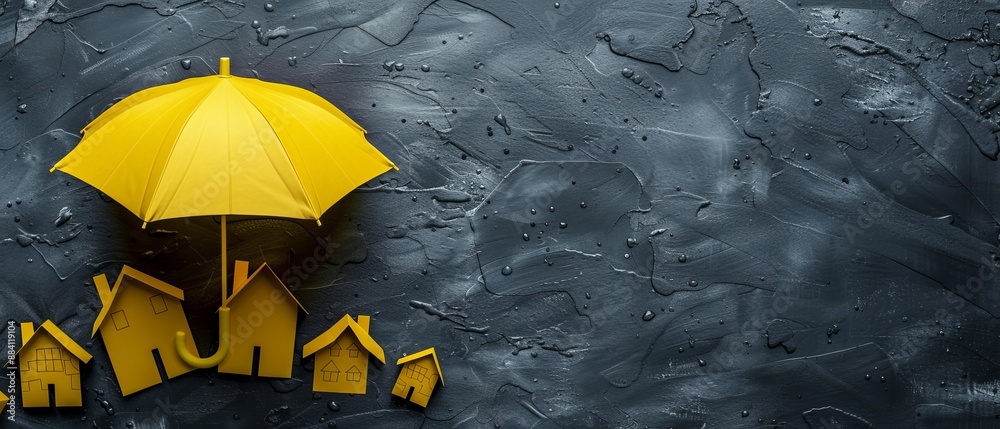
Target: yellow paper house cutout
(140,317)
(418,377)
(342,352)
(264,315)
(4,397)
(50,361)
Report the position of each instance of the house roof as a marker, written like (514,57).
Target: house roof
(420,354)
(336,330)
(29,333)
(237,288)
(139,276)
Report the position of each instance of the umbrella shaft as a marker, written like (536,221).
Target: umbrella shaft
(225,274)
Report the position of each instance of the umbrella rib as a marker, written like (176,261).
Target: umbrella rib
(325,148)
(284,151)
(173,147)
(135,144)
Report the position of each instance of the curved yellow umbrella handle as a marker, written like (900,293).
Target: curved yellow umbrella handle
(220,354)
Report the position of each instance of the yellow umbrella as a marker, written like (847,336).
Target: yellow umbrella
(224,145)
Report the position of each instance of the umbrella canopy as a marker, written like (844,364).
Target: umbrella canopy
(224,145)
(221,145)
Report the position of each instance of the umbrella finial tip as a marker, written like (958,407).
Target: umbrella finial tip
(224,66)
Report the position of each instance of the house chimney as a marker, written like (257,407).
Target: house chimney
(240,273)
(364,321)
(27,330)
(103,289)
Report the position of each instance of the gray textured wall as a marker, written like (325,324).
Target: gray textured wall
(721,214)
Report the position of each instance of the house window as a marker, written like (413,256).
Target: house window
(121,322)
(353,374)
(335,350)
(330,372)
(352,350)
(159,305)
(416,372)
(48,360)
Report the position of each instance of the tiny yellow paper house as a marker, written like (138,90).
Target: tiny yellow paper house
(341,364)
(264,314)
(138,321)
(50,365)
(418,377)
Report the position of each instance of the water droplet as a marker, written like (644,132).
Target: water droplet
(683,258)
(502,120)
(556,5)
(701,362)
(398,66)
(186,64)
(9,204)
(425,68)
(587,295)
(388,65)
(292,61)
(64,216)
(882,379)
(808,156)
(583,205)
(525,237)
(562,225)
(817,102)
(736,164)
(22,108)
(533,211)
(648,315)
(627,256)
(506,151)
(745,413)
(693,283)
(868,377)
(630,242)
(333,406)
(255,24)
(627,72)
(507,270)
(552,209)
(269,7)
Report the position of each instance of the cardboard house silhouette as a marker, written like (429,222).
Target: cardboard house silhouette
(139,319)
(264,315)
(420,374)
(342,352)
(49,362)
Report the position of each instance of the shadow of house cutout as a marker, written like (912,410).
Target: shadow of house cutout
(264,316)
(141,315)
(342,353)
(49,363)
(418,377)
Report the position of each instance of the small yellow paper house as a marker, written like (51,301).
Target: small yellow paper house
(418,377)
(138,322)
(50,364)
(264,314)
(342,352)
(4,397)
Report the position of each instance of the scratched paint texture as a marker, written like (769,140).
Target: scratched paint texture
(627,213)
